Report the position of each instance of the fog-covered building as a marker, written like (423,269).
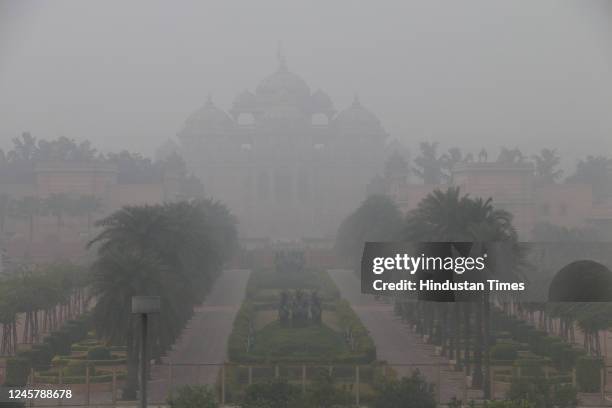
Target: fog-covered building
(285,161)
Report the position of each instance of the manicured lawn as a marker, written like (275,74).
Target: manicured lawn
(314,341)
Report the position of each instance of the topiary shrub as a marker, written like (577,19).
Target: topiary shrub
(76,368)
(193,396)
(588,371)
(99,353)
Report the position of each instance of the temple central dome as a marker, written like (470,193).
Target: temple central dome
(283,86)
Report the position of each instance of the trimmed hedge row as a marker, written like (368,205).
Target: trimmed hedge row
(562,355)
(348,319)
(40,355)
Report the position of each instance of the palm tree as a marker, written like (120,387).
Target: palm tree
(448,216)
(173,251)
(117,276)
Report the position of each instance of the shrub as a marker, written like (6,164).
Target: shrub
(193,396)
(588,373)
(99,353)
(530,367)
(508,404)
(17,372)
(395,393)
(324,393)
(504,351)
(542,394)
(78,368)
(277,393)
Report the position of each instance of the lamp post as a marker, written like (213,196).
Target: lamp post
(144,305)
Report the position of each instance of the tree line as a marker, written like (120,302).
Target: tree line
(463,329)
(57,205)
(40,298)
(432,166)
(17,165)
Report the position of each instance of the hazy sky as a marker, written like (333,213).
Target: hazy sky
(125,74)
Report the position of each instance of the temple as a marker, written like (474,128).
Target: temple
(285,162)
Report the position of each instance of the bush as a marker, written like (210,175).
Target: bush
(504,351)
(324,393)
(588,371)
(508,404)
(396,393)
(531,367)
(193,396)
(17,372)
(277,393)
(542,394)
(76,368)
(99,353)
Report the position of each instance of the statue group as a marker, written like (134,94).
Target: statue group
(299,309)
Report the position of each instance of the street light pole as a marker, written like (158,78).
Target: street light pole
(144,305)
(143,359)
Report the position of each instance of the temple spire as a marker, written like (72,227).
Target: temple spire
(280,55)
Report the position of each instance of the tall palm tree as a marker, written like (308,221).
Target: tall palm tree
(174,251)
(117,276)
(448,216)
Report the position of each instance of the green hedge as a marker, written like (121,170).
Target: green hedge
(40,355)
(588,373)
(364,345)
(17,371)
(504,351)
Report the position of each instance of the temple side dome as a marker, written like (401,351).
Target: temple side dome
(208,118)
(358,117)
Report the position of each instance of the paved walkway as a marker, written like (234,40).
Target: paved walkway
(396,343)
(204,340)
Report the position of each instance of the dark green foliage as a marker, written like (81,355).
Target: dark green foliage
(17,371)
(396,393)
(308,343)
(277,393)
(543,393)
(99,353)
(174,251)
(324,393)
(504,352)
(76,368)
(508,404)
(376,219)
(12,405)
(193,396)
(588,375)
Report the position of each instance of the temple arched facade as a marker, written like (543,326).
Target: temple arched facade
(283,159)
